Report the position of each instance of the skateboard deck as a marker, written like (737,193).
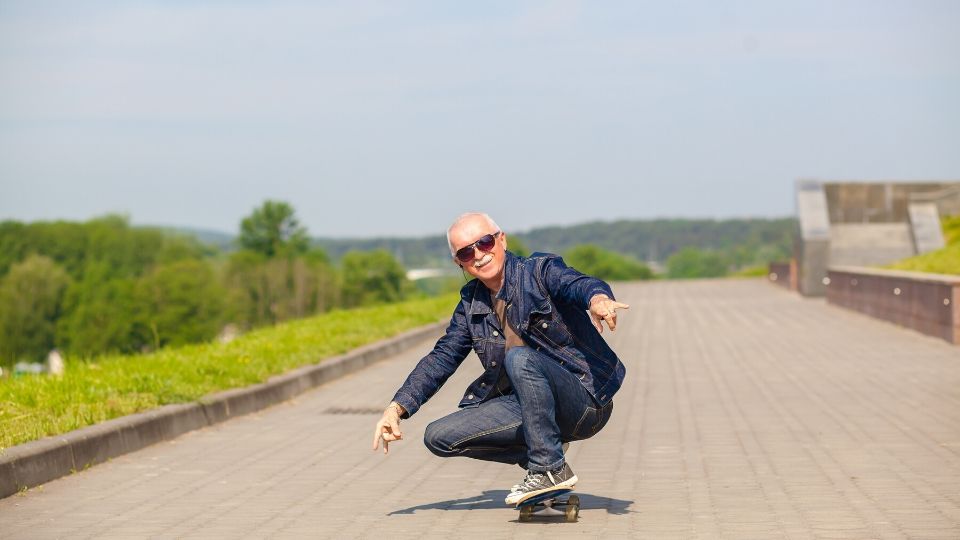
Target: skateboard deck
(548,504)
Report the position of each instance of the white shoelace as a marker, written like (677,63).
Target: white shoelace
(531,479)
(519,487)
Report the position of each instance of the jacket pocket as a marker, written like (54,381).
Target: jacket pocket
(552,330)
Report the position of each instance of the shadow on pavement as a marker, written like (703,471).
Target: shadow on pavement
(494,499)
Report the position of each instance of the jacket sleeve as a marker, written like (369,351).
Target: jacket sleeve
(436,367)
(568,285)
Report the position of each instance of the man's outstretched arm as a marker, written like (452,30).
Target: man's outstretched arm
(426,378)
(576,288)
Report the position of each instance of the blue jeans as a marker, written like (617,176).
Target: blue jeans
(549,406)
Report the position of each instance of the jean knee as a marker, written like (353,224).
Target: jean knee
(435,441)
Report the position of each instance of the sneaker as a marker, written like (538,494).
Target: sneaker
(516,487)
(541,482)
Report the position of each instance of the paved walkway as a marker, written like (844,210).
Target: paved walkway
(748,412)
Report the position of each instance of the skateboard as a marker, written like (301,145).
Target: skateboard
(548,504)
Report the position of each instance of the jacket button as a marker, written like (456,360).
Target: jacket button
(493,364)
(544,325)
(495,333)
(470,396)
(483,385)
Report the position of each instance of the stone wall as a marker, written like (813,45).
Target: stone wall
(928,303)
(782,274)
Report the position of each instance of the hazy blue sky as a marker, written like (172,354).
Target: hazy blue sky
(391,118)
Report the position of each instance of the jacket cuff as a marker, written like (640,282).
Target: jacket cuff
(407,402)
(599,290)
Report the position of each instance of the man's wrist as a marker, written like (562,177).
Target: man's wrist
(397,407)
(598,296)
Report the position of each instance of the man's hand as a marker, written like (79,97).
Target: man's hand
(388,428)
(602,308)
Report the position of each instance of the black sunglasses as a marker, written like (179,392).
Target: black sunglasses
(484,244)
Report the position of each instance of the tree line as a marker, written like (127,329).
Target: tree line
(735,243)
(106,286)
(686,263)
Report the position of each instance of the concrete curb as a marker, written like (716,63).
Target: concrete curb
(37,462)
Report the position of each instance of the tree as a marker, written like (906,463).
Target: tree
(517,246)
(691,262)
(30,301)
(247,302)
(101,314)
(180,303)
(372,277)
(607,265)
(297,287)
(266,291)
(273,230)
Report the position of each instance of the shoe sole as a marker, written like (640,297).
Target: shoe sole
(566,484)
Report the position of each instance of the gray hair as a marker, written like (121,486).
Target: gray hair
(462,217)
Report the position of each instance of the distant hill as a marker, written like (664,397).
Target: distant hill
(748,241)
(656,240)
(221,240)
(430,251)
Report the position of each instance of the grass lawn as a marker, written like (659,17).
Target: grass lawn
(941,261)
(750,272)
(32,407)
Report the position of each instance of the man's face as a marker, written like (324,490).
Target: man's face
(485,265)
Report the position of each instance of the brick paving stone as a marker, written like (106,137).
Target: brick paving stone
(748,412)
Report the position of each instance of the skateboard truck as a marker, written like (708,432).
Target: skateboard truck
(549,505)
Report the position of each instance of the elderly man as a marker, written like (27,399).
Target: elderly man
(549,377)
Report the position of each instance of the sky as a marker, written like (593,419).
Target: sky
(392,118)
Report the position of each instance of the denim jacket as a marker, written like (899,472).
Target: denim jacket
(547,304)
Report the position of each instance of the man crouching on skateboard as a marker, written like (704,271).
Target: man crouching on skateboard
(549,377)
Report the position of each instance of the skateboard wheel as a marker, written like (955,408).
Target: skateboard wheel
(526,513)
(572,511)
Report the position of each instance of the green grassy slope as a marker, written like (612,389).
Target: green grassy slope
(106,387)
